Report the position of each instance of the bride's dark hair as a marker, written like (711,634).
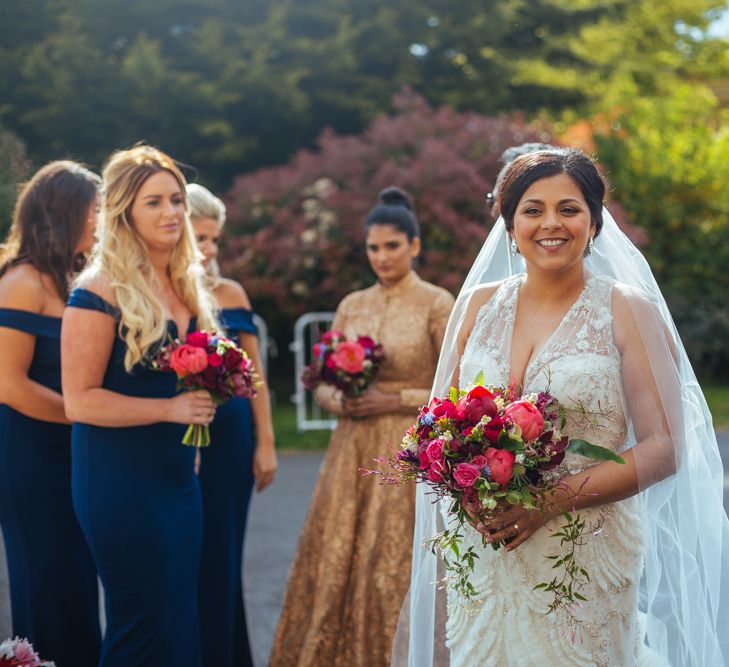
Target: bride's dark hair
(526,170)
(396,209)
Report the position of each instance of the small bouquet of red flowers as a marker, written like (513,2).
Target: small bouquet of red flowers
(348,365)
(19,653)
(483,449)
(210,362)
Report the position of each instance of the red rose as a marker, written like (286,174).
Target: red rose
(198,339)
(475,404)
(527,417)
(366,342)
(501,463)
(232,358)
(215,360)
(443,409)
(466,474)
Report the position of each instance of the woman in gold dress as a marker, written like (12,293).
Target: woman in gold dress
(352,566)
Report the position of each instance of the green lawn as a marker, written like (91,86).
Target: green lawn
(717,396)
(287,437)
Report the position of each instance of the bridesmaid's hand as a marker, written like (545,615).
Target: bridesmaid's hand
(264,465)
(372,402)
(191,407)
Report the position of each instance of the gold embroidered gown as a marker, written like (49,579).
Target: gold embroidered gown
(352,566)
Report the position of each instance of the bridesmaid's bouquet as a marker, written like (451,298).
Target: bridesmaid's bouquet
(348,365)
(19,653)
(210,362)
(483,450)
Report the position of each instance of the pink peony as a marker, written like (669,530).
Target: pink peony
(24,653)
(215,360)
(188,360)
(475,404)
(466,474)
(349,357)
(527,417)
(501,464)
(198,339)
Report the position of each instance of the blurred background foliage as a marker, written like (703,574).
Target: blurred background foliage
(298,112)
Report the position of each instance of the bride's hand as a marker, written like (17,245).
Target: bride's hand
(513,526)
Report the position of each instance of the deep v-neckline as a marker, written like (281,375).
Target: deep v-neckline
(536,354)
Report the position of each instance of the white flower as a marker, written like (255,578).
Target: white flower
(519,458)
(484,420)
(532,398)
(447,436)
(500,404)
(410,443)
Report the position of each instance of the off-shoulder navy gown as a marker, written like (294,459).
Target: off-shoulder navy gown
(226,478)
(138,501)
(53,586)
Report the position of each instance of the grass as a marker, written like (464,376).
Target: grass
(287,437)
(717,396)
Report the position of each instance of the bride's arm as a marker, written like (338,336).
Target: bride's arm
(650,379)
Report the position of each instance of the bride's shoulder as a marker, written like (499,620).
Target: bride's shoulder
(477,297)
(635,315)
(472,302)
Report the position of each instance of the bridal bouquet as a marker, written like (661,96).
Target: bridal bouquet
(481,450)
(348,365)
(210,362)
(19,653)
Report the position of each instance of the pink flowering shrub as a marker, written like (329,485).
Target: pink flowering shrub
(295,232)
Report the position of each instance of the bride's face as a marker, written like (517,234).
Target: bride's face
(552,224)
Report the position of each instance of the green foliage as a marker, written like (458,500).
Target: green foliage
(14,168)
(666,159)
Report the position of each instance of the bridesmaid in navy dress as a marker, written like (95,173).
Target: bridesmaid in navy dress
(230,465)
(53,586)
(135,491)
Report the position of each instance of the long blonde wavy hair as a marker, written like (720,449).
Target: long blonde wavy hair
(121,255)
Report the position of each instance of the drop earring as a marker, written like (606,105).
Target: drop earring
(514,247)
(590,245)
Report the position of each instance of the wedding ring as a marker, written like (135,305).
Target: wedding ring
(516,527)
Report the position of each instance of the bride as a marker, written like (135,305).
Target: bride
(587,322)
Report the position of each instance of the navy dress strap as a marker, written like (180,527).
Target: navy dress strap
(83,298)
(32,323)
(238,319)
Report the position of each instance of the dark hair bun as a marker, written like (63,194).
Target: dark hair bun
(393,196)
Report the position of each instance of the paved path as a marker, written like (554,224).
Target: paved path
(275,522)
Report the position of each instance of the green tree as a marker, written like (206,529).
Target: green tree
(667,162)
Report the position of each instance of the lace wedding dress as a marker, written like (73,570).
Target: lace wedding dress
(581,366)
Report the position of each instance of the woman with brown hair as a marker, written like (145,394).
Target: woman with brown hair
(53,588)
